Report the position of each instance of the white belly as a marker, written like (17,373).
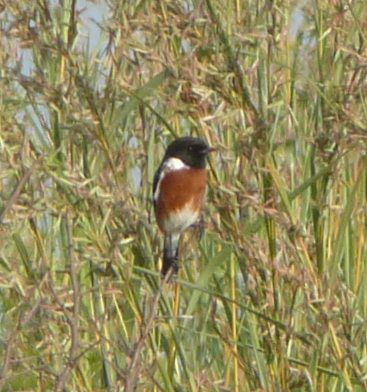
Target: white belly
(180,221)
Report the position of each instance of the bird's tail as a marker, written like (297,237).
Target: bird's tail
(170,254)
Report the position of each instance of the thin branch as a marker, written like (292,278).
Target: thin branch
(73,320)
(134,368)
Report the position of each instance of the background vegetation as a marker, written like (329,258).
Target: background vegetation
(273,297)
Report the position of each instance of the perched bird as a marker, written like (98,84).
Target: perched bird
(178,193)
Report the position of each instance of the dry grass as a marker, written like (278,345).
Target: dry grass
(273,296)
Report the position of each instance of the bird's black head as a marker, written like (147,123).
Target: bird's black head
(192,151)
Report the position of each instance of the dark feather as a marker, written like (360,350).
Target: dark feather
(170,254)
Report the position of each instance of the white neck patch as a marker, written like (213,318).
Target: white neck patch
(171,164)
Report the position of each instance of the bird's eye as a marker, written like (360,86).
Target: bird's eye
(190,148)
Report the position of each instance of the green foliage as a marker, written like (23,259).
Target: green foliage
(272,297)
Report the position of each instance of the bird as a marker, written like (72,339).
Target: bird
(179,188)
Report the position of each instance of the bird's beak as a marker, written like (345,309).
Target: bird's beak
(210,149)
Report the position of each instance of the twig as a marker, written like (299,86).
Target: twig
(73,320)
(19,188)
(133,372)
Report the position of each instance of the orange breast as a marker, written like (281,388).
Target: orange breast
(180,199)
